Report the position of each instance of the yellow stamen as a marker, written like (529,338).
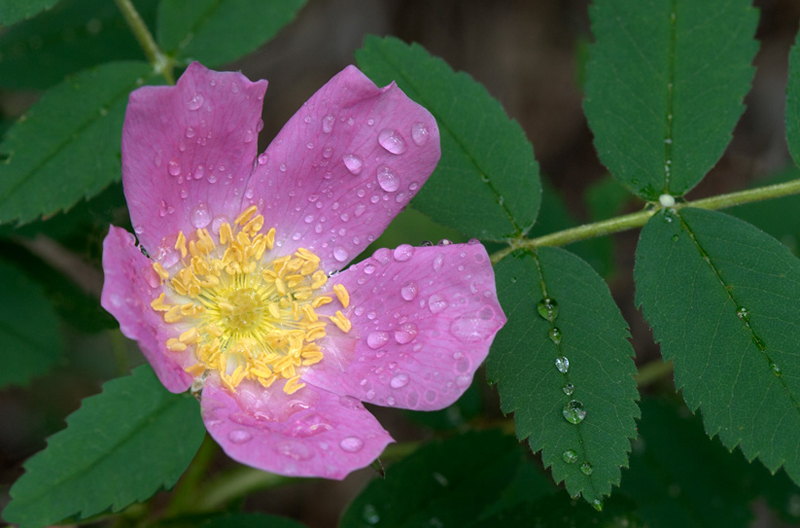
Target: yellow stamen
(243,312)
(342,295)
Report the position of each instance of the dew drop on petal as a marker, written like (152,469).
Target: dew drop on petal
(375,340)
(472,329)
(340,254)
(406,333)
(392,141)
(239,436)
(403,252)
(351,444)
(327,123)
(399,381)
(437,262)
(195,102)
(353,163)
(387,179)
(173,168)
(409,290)
(419,134)
(262,158)
(436,303)
(200,216)
(294,450)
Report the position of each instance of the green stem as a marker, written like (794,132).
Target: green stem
(161,63)
(638,219)
(184,494)
(234,484)
(652,371)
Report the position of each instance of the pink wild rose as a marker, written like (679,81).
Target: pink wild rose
(240,293)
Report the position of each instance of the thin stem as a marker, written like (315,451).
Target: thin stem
(652,371)
(187,488)
(161,63)
(638,219)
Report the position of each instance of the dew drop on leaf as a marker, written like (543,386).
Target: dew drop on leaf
(574,412)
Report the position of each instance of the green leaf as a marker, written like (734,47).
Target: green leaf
(67,146)
(664,89)
(249,520)
(487,182)
(531,380)
(218,31)
(723,299)
(451,482)
(12,11)
(73,36)
(120,447)
(563,512)
(665,482)
(30,337)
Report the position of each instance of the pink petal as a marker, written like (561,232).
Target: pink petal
(389,143)
(187,151)
(130,284)
(312,433)
(423,321)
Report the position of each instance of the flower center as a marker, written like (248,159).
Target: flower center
(247,317)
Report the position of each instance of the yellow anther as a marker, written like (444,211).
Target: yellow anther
(319,301)
(158,304)
(180,244)
(173,315)
(280,286)
(270,238)
(196,370)
(318,279)
(225,233)
(175,345)
(274,311)
(342,295)
(254,225)
(293,385)
(164,274)
(341,321)
(246,215)
(309,312)
(189,336)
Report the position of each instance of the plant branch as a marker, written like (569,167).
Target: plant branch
(638,219)
(161,63)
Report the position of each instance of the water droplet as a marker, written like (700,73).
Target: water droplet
(569,388)
(327,123)
(419,134)
(340,254)
(570,456)
(200,216)
(370,514)
(574,412)
(352,444)
(294,450)
(675,238)
(387,179)
(406,333)
(586,468)
(375,340)
(173,168)
(597,504)
(472,329)
(775,369)
(744,314)
(436,303)
(437,262)
(262,158)
(562,364)
(392,141)
(403,252)
(190,132)
(195,102)
(555,335)
(353,163)
(239,436)
(409,290)
(399,381)
(548,309)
